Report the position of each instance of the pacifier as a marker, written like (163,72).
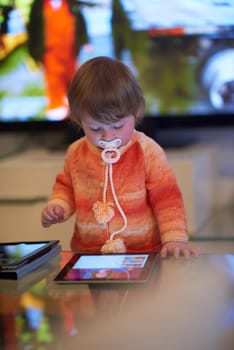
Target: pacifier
(110,154)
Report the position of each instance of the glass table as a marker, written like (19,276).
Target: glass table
(187,304)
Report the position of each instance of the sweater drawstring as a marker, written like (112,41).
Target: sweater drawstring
(104,211)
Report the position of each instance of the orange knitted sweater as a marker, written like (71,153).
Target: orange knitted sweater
(144,184)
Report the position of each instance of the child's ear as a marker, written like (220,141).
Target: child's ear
(138,118)
(77,124)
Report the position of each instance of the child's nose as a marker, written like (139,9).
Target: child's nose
(107,135)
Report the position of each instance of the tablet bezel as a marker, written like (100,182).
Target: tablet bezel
(47,246)
(144,276)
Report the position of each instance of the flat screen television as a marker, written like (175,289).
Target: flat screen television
(182,53)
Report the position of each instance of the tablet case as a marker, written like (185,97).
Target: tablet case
(26,282)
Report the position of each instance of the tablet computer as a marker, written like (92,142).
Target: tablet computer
(14,255)
(107,268)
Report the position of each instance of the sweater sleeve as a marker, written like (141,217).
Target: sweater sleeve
(63,193)
(164,194)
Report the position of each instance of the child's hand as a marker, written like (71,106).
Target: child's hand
(52,214)
(178,248)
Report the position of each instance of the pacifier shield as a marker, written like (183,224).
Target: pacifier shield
(116,143)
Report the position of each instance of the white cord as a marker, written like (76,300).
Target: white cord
(117,204)
(110,156)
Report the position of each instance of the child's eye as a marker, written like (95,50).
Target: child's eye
(95,129)
(117,126)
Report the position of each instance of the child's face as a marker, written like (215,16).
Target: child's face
(96,131)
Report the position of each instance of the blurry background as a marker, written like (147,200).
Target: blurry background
(183,56)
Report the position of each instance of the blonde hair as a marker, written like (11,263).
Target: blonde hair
(105,90)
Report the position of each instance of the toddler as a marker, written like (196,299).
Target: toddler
(116,180)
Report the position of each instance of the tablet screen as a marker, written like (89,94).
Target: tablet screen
(107,268)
